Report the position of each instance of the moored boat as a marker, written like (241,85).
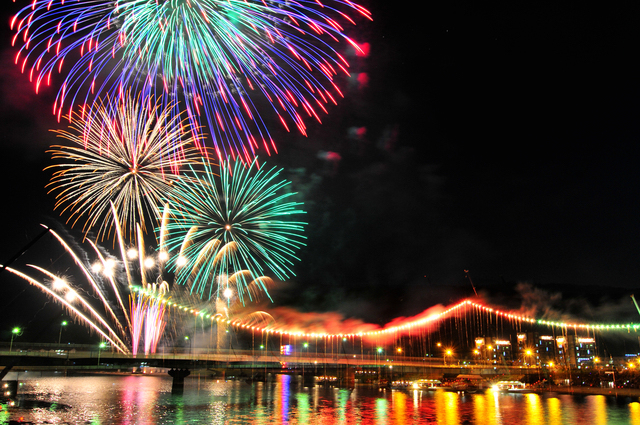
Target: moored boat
(426,384)
(512,387)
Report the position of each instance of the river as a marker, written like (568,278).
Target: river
(146,399)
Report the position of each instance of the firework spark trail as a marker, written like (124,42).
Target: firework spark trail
(239,220)
(144,312)
(154,325)
(88,275)
(125,154)
(122,348)
(217,56)
(113,283)
(137,321)
(86,305)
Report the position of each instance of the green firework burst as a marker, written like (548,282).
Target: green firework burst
(231,218)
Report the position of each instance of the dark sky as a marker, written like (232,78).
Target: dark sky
(500,138)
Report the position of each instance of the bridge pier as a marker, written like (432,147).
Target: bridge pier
(178,375)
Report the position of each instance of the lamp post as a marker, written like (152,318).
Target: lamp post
(447,353)
(14,332)
(304,347)
(378,353)
(62,325)
(186,338)
(528,354)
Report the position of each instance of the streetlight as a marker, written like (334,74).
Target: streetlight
(378,353)
(186,338)
(14,332)
(447,353)
(304,347)
(102,346)
(63,324)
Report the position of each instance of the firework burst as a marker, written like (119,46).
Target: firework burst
(231,227)
(216,56)
(125,153)
(124,326)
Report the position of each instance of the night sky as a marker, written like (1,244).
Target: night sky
(499,138)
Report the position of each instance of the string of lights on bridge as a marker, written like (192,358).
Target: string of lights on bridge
(239,323)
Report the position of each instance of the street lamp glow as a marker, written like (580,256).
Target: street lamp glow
(14,332)
(62,324)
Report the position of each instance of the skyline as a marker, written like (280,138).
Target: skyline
(499,141)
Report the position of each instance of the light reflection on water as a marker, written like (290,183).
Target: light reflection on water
(148,400)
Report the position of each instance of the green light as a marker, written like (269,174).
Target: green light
(64,323)
(16,330)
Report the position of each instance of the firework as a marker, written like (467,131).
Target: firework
(104,320)
(211,54)
(145,315)
(238,220)
(125,153)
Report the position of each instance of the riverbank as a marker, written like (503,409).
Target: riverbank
(618,392)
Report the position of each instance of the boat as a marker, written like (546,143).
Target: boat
(512,387)
(467,384)
(426,384)
(400,385)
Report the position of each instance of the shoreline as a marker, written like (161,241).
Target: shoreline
(616,392)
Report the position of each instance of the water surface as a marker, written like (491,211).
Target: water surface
(148,400)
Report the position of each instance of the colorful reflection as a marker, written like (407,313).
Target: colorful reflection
(634,413)
(284,399)
(535,412)
(598,407)
(554,411)
(399,406)
(382,406)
